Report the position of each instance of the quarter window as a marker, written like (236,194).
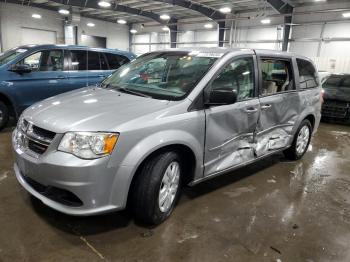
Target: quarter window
(116,61)
(307,74)
(277,76)
(238,76)
(94,61)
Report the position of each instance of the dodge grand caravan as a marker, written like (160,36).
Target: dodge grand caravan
(167,119)
(29,74)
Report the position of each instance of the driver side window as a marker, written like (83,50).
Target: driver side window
(238,76)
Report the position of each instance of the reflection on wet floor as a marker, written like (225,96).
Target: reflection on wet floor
(274,209)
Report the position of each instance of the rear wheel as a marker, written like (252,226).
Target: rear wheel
(157,188)
(301,141)
(4,115)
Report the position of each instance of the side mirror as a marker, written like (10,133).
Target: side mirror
(21,68)
(221,97)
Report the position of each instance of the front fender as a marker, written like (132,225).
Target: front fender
(145,148)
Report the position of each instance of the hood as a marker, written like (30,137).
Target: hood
(91,109)
(337,93)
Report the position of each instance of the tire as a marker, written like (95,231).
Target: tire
(151,182)
(4,115)
(297,150)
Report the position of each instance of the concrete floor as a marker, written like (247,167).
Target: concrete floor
(271,211)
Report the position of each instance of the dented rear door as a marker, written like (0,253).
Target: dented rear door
(279,102)
(230,128)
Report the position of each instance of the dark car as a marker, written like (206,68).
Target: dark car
(336,94)
(32,73)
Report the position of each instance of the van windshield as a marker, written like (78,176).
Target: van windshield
(10,55)
(162,75)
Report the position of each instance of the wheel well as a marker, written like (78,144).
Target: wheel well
(311,118)
(8,103)
(186,154)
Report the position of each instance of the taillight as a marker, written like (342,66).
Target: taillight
(321,96)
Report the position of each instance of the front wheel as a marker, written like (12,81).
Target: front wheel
(301,141)
(157,188)
(4,115)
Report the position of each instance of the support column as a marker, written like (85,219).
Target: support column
(173,35)
(286,32)
(221,33)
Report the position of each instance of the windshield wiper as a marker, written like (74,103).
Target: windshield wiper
(127,91)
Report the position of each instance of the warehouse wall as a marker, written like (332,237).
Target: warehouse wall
(16,18)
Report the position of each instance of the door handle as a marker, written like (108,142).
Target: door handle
(251,110)
(266,106)
(101,76)
(61,77)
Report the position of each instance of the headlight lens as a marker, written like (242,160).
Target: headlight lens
(88,145)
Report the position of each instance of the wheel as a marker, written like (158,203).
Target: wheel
(301,141)
(157,188)
(4,115)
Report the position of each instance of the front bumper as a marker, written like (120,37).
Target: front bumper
(96,185)
(336,110)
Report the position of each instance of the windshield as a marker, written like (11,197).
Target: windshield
(10,55)
(165,75)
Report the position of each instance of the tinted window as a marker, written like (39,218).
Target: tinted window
(238,76)
(307,74)
(115,61)
(94,61)
(332,81)
(277,76)
(52,60)
(103,61)
(346,82)
(79,59)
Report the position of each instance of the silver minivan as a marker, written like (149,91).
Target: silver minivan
(167,119)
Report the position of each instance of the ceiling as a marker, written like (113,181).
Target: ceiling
(158,8)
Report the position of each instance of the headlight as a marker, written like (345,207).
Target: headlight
(88,145)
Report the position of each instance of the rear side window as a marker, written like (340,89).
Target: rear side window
(94,61)
(307,74)
(79,60)
(103,61)
(116,61)
(277,76)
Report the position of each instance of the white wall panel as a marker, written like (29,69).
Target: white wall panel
(308,49)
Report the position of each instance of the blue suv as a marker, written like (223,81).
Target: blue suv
(32,73)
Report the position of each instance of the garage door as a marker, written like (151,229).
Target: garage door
(35,36)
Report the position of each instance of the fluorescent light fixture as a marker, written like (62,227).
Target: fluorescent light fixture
(225,10)
(164,17)
(90,24)
(165,28)
(36,16)
(133,31)
(346,15)
(104,4)
(265,21)
(320,0)
(208,26)
(121,21)
(63,11)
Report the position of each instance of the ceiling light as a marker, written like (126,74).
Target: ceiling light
(104,4)
(320,0)
(36,16)
(164,17)
(133,31)
(208,26)
(121,21)
(165,28)
(90,24)
(346,15)
(225,10)
(63,11)
(265,21)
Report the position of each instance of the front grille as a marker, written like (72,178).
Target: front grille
(336,109)
(59,195)
(34,138)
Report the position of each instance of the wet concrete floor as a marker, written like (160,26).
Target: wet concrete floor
(274,210)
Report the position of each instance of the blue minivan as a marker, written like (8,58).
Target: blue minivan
(32,73)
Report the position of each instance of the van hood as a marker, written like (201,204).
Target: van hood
(337,93)
(91,109)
